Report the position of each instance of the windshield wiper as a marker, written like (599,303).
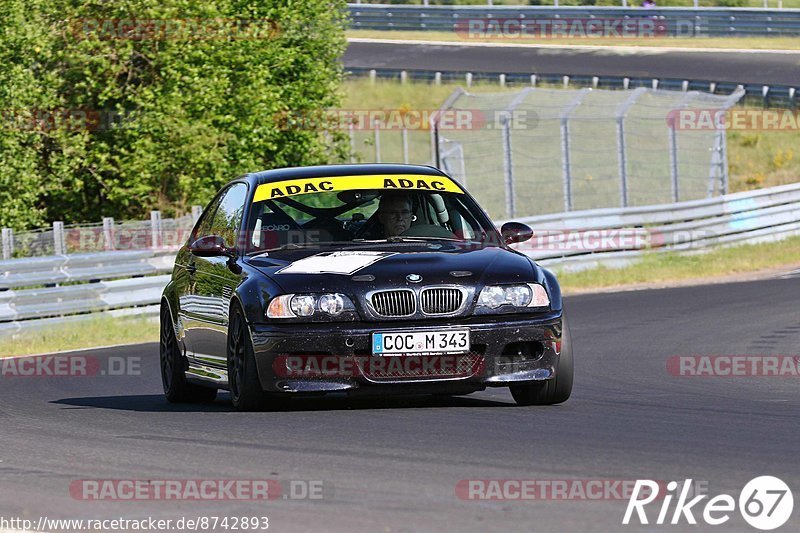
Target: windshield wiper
(396,239)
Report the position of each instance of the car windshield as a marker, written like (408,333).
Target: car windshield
(348,210)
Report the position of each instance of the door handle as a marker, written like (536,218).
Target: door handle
(191,268)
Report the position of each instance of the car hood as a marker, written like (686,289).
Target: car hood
(436,264)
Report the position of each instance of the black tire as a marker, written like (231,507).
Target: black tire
(245,387)
(173,371)
(551,391)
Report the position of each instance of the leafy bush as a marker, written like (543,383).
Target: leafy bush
(159,120)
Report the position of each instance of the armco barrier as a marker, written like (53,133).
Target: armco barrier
(687,22)
(738,218)
(33,293)
(84,298)
(768,95)
(61,269)
(560,242)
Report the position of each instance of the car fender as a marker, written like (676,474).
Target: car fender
(170,298)
(254,294)
(553,289)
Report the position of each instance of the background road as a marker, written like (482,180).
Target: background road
(738,67)
(392,465)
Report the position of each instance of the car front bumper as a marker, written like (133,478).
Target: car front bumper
(337,357)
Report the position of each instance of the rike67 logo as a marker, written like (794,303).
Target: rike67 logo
(765,503)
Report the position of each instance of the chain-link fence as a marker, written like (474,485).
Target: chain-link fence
(545,151)
(109,235)
(539,151)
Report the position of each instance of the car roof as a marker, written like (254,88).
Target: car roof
(269,176)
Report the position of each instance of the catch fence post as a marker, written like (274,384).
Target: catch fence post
(622,155)
(108,233)
(377,133)
(8,243)
(155,229)
(58,238)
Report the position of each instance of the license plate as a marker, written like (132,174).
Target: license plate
(421,342)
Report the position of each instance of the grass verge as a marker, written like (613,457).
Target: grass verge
(746,43)
(100,331)
(674,267)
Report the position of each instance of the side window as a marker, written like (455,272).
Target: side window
(203,228)
(227,221)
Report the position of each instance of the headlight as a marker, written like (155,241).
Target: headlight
(492,297)
(309,305)
(530,295)
(333,304)
(302,305)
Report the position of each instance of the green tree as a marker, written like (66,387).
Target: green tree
(25,86)
(161,118)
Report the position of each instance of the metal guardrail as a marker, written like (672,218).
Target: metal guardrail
(41,291)
(84,298)
(615,237)
(62,269)
(677,21)
(767,95)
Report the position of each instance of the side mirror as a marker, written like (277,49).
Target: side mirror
(515,232)
(211,246)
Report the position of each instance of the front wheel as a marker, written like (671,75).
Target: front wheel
(173,373)
(245,387)
(551,391)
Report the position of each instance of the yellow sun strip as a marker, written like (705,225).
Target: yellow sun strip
(389,182)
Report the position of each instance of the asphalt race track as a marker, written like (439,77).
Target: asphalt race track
(393,465)
(738,67)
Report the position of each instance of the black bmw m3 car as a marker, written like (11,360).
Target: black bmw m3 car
(358,279)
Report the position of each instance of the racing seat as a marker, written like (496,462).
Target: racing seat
(273,230)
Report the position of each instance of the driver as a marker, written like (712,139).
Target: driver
(394,213)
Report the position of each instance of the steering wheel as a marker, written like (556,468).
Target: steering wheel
(428,230)
(364,232)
